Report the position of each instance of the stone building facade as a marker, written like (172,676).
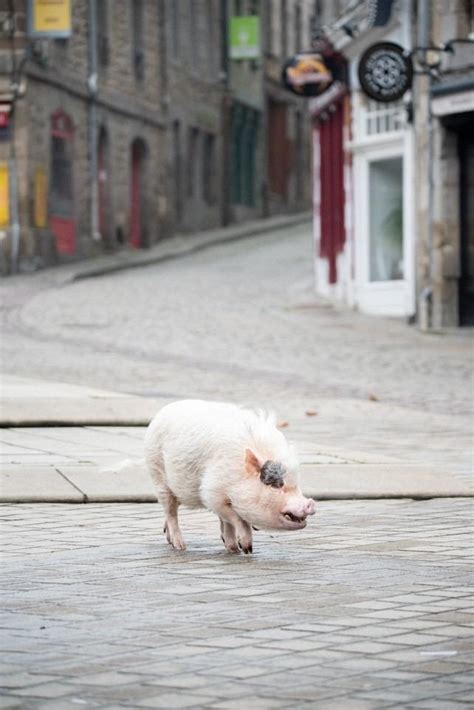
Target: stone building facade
(91,135)
(139,125)
(402,242)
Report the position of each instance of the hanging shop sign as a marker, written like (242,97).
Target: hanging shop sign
(244,36)
(49,19)
(385,72)
(311,73)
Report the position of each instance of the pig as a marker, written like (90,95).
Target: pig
(230,460)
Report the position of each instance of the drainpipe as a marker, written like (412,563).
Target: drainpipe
(426,296)
(226,108)
(92,86)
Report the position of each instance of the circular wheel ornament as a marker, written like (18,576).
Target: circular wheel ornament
(385,72)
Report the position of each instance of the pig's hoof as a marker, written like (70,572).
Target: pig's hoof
(232,548)
(177,542)
(246,546)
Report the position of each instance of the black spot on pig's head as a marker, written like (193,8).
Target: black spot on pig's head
(272,474)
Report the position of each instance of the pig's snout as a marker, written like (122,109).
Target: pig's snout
(296,511)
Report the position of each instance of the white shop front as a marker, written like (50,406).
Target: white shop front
(372,268)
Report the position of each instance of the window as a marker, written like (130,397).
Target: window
(102,32)
(298,22)
(137,32)
(175,27)
(386,219)
(193,33)
(208,169)
(210,39)
(283,28)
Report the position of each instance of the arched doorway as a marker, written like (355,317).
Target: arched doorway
(137,237)
(103,192)
(61,194)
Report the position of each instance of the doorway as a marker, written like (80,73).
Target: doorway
(466,166)
(61,193)
(137,236)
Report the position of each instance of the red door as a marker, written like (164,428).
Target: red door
(135,197)
(332,188)
(61,196)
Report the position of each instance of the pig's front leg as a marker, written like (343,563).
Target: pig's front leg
(229,537)
(242,530)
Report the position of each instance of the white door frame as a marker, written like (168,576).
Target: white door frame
(391,298)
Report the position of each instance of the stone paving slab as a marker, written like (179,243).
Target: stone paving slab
(28,402)
(381,481)
(34,484)
(369,607)
(86,462)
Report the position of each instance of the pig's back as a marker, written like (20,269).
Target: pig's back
(195,437)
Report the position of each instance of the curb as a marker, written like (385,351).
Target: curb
(182,245)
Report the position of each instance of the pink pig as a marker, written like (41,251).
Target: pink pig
(231,460)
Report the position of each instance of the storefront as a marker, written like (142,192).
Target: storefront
(364,199)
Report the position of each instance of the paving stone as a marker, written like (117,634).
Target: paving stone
(37,483)
(128,622)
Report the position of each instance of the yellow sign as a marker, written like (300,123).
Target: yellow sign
(49,18)
(41,199)
(4,195)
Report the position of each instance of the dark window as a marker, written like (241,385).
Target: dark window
(208,169)
(193,32)
(252,7)
(193,135)
(175,27)
(137,31)
(269,26)
(102,32)
(298,28)
(210,39)
(283,28)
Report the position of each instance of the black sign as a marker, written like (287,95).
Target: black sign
(385,72)
(307,74)
(312,73)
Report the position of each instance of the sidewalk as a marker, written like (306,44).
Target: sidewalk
(64,444)
(177,246)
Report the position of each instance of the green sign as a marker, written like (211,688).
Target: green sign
(245,37)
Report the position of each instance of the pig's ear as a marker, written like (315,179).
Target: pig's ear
(252,464)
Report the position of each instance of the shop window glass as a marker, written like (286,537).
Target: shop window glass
(386,219)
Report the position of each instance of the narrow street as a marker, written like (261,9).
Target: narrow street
(238,321)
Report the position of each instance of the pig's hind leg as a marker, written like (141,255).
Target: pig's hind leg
(169,502)
(171,527)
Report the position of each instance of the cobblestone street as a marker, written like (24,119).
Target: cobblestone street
(238,321)
(367,608)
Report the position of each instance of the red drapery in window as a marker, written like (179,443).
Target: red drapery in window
(332,187)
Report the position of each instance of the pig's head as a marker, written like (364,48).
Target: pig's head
(269,496)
